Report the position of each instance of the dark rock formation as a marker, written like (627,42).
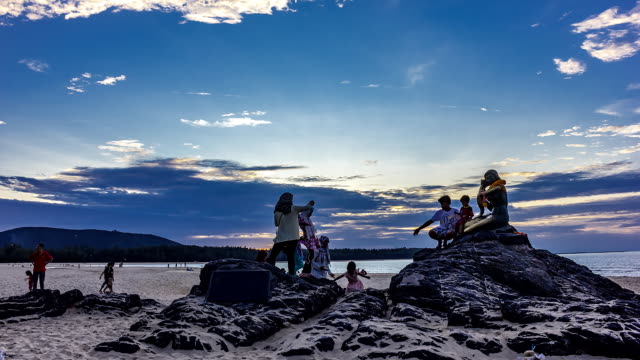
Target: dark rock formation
(37,303)
(117,304)
(500,282)
(193,323)
(123,345)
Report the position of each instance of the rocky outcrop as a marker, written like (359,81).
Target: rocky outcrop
(36,304)
(191,323)
(116,304)
(532,296)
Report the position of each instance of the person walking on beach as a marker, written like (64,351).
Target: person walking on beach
(108,278)
(448,218)
(285,216)
(39,259)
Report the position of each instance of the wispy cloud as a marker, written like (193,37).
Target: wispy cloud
(611,35)
(111,80)
(534,25)
(546,133)
(191,145)
(126,150)
(572,131)
(576,200)
(226,123)
(625,130)
(575,145)
(570,66)
(199,93)
(371,162)
(537,143)
(416,73)
(32,64)
(3,123)
(210,12)
(484,109)
(633,86)
(345,82)
(625,107)
(371,86)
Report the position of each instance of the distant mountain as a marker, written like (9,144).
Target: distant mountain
(53,238)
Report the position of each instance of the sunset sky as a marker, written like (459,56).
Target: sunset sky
(187,119)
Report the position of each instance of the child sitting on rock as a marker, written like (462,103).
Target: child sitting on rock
(466,213)
(354,284)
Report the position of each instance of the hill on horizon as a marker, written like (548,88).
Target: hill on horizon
(55,238)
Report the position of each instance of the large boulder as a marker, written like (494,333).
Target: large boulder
(193,323)
(532,296)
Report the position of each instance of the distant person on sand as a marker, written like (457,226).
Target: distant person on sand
(309,238)
(285,216)
(354,284)
(40,259)
(466,213)
(30,279)
(321,264)
(262,256)
(448,218)
(108,277)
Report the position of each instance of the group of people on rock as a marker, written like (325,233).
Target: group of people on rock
(455,223)
(452,223)
(289,219)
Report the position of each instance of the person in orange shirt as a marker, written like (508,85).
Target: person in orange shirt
(39,259)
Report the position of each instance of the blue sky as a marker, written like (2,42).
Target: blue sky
(188,120)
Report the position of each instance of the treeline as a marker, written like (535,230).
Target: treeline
(185,253)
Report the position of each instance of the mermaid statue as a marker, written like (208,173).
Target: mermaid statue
(493,196)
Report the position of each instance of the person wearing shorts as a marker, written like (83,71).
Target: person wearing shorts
(447,217)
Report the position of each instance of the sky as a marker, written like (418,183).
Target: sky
(187,119)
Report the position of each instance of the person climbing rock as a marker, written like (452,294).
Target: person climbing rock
(447,217)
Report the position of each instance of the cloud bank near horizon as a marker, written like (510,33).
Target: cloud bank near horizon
(221,202)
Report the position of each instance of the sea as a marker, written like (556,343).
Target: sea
(605,263)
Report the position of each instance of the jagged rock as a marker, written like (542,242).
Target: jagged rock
(117,304)
(38,303)
(123,345)
(192,323)
(337,325)
(497,281)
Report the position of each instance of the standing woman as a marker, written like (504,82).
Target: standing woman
(285,216)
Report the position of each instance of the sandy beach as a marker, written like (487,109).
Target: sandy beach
(75,334)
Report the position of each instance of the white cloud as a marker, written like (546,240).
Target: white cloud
(535,25)
(35,65)
(229,114)
(75,89)
(371,162)
(2,122)
(572,131)
(611,35)
(537,143)
(211,12)
(372,86)
(126,150)
(111,80)
(539,72)
(193,146)
(624,130)
(345,82)
(576,145)
(633,86)
(415,73)
(197,93)
(570,66)
(257,113)
(226,123)
(547,133)
(87,75)
(483,109)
